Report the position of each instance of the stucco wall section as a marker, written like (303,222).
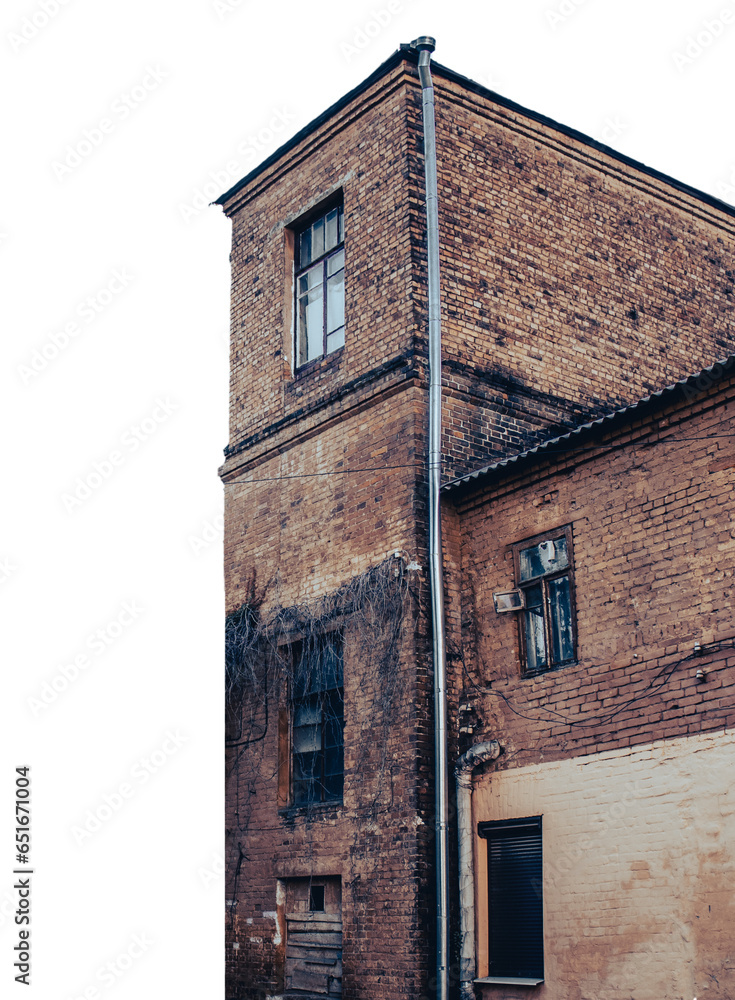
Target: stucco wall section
(639,868)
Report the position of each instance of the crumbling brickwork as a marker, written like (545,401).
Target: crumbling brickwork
(573,282)
(650,506)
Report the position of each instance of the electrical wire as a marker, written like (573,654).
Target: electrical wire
(658,681)
(508,460)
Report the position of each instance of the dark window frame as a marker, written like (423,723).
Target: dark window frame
(327,701)
(300,228)
(565,532)
(516,933)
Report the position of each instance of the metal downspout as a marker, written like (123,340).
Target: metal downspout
(463,769)
(425,46)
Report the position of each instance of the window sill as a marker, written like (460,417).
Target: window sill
(316,810)
(507,981)
(530,674)
(324,361)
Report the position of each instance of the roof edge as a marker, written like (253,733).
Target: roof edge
(613,418)
(406,54)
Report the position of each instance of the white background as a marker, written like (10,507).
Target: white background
(214,87)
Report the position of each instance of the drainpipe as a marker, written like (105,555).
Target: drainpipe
(425,46)
(479,754)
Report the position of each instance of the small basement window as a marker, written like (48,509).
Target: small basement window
(316,899)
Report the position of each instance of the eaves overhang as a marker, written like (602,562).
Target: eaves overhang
(406,54)
(607,421)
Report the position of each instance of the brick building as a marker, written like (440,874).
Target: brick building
(576,286)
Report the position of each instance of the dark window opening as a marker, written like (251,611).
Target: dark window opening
(318,720)
(515,898)
(545,574)
(316,898)
(320,286)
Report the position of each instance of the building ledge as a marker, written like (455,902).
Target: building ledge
(506,981)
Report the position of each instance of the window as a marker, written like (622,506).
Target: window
(515,903)
(320,286)
(544,572)
(318,720)
(316,899)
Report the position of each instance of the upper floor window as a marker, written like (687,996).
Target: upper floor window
(317,720)
(320,286)
(545,575)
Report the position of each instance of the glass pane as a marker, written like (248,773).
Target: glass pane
(317,239)
(311,325)
(560,610)
(306,766)
(307,739)
(335,301)
(333,786)
(330,653)
(332,233)
(335,340)
(336,262)
(333,731)
(534,625)
(307,713)
(305,248)
(303,792)
(341,225)
(546,557)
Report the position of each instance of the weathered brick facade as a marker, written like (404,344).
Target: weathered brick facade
(573,282)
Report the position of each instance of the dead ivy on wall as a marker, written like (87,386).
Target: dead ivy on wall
(369,614)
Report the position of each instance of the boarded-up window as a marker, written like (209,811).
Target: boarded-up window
(314,937)
(515,903)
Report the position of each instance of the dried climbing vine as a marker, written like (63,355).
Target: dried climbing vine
(368,614)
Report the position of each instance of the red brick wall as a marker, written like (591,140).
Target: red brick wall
(548,248)
(572,283)
(652,522)
(304,531)
(362,152)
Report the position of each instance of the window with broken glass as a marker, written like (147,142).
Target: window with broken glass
(318,720)
(320,286)
(545,574)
